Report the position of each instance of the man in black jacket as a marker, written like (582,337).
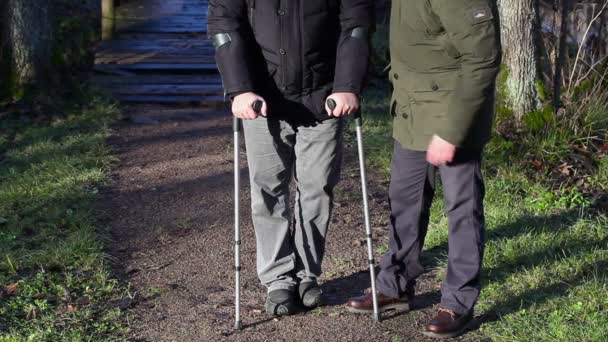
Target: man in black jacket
(292,55)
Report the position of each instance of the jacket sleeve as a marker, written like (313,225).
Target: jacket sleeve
(352,59)
(229,19)
(471,29)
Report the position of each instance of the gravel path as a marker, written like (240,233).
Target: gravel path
(170,208)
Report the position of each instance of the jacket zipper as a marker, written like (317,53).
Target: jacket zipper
(282,47)
(301,46)
(251,9)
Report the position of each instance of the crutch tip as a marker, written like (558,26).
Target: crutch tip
(238,325)
(377,317)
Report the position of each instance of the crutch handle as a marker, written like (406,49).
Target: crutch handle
(238,123)
(257,106)
(331,104)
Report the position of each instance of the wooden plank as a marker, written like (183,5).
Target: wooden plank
(170,99)
(163,54)
(151,36)
(111,70)
(170,89)
(156,44)
(159,27)
(157,79)
(121,59)
(148,13)
(168,66)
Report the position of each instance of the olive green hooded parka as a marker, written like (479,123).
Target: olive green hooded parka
(445,55)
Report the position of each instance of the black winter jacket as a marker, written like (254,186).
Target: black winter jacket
(294,53)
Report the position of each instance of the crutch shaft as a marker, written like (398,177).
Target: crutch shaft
(237,126)
(368,229)
(237,225)
(331,104)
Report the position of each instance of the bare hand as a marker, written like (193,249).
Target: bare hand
(242,106)
(440,152)
(346,104)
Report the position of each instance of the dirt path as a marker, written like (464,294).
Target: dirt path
(170,209)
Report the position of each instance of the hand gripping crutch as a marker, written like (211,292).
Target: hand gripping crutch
(236,125)
(331,104)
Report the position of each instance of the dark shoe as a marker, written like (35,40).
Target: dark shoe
(447,324)
(310,294)
(365,304)
(281,303)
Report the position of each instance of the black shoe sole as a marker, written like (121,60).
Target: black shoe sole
(311,304)
(310,301)
(280,310)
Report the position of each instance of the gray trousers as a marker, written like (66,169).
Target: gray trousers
(290,248)
(411,193)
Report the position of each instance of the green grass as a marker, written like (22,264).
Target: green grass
(51,246)
(546,259)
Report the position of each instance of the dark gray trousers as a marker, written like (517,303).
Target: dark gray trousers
(411,193)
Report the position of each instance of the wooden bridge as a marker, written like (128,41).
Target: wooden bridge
(157,51)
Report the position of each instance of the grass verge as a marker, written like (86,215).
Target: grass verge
(546,260)
(55,284)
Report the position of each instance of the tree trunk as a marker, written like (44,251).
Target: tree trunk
(520,35)
(29,31)
(4,58)
(560,56)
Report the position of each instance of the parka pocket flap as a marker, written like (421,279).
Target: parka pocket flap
(435,82)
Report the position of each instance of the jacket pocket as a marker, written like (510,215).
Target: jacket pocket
(400,103)
(430,100)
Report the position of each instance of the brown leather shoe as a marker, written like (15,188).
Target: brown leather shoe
(448,324)
(365,304)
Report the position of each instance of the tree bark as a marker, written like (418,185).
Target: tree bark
(520,39)
(29,32)
(560,57)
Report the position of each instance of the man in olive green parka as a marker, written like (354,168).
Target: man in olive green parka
(445,55)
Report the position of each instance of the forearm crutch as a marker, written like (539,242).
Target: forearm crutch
(331,104)
(237,125)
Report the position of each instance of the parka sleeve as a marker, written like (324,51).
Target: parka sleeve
(471,28)
(228,27)
(352,60)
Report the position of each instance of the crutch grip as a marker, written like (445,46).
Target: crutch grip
(331,104)
(257,106)
(238,123)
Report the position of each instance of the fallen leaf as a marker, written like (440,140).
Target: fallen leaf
(358,243)
(538,165)
(10,289)
(71,308)
(565,169)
